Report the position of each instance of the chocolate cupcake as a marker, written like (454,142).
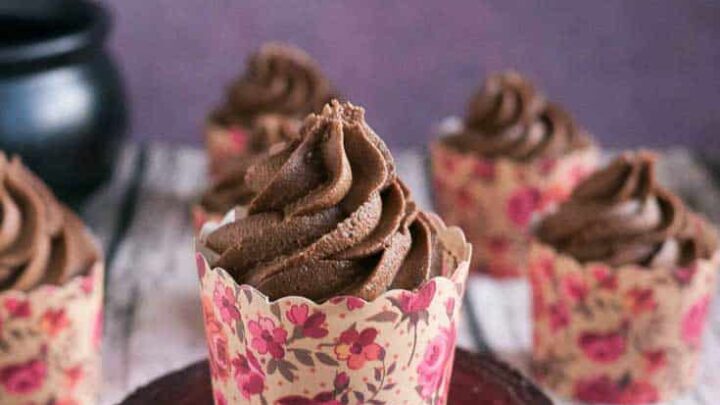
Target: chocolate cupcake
(51,275)
(266,105)
(513,158)
(622,276)
(331,272)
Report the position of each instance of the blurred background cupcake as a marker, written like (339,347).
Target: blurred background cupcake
(512,158)
(263,107)
(266,104)
(51,288)
(622,278)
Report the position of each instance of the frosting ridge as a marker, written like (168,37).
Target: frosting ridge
(330,217)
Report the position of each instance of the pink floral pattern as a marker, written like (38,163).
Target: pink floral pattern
(694,320)
(53,335)
(267,338)
(25,378)
(496,201)
(223,144)
(293,351)
(625,335)
(435,363)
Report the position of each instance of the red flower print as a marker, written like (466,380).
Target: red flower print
(559,316)
(323,398)
(693,322)
(358,347)
(24,378)
(415,302)
(342,381)
(238,140)
(268,338)
(641,300)
(546,166)
(314,326)
(97,332)
(464,198)
(311,326)
(226,303)
(218,355)
(597,389)
(639,392)
(537,297)
(602,348)
(249,376)
(498,245)
(604,277)
(17,308)
(684,275)
(200,263)
(219,398)
(88,283)
(73,376)
(655,360)
(521,206)
(435,362)
(575,287)
(53,321)
(543,268)
(298,314)
(484,169)
(352,303)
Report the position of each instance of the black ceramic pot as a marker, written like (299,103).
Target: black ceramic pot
(62,106)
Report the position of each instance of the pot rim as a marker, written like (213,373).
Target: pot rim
(89,26)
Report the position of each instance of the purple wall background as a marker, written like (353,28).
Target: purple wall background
(632,72)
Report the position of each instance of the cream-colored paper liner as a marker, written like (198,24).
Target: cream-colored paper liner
(396,349)
(50,342)
(495,201)
(625,335)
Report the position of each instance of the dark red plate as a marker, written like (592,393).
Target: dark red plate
(477,379)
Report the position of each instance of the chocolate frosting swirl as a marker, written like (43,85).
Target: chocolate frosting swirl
(279,79)
(330,217)
(230,189)
(41,241)
(620,215)
(509,118)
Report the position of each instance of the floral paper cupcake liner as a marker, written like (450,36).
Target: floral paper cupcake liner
(495,201)
(396,349)
(623,335)
(50,342)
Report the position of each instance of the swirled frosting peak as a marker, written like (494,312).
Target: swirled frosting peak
(41,241)
(279,79)
(620,215)
(509,118)
(330,217)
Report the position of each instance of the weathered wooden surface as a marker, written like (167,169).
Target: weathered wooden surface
(153,313)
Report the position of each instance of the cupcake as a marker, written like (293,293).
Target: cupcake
(331,285)
(266,105)
(51,274)
(622,276)
(512,159)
